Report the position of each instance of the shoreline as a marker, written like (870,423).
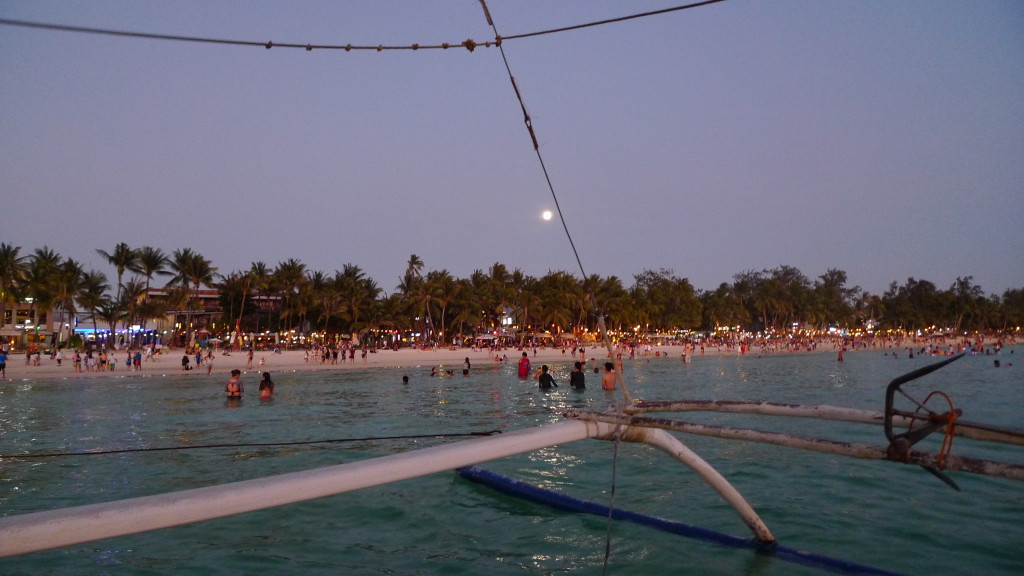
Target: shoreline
(169,363)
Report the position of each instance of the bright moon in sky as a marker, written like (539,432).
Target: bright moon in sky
(546,215)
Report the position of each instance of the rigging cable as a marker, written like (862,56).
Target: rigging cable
(468,44)
(561,217)
(245,445)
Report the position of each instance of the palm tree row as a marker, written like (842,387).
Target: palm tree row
(439,307)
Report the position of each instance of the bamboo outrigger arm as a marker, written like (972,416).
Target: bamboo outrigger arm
(972,430)
(867,451)
(22,534)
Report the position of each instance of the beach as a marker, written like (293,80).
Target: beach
(168,363)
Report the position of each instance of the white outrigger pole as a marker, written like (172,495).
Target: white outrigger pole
(38,531)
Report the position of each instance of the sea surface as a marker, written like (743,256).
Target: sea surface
(890,516)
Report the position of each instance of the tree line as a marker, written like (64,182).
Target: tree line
(437,305)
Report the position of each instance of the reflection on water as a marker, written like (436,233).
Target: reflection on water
(868,512)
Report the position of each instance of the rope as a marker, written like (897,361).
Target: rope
(246,445)
(533,135)
(612,20)
(611,504)
(469,44)
(950,431)
(537,150)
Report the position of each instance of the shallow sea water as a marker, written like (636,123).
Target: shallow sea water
(889,516)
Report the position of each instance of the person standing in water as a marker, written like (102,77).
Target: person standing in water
(524,366)
(608,378)
(234,386)
(266,387)
(545,380)
(577,379)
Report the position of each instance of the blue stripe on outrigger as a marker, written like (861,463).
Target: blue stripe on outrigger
(559,501)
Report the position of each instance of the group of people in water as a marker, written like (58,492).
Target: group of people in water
(545,381)
(235,388)
(577,378)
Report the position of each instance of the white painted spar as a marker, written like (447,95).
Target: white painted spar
(671,445)
(55,528)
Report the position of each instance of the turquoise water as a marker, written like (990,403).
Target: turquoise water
(890,516)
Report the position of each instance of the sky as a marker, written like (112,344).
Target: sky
(884,139)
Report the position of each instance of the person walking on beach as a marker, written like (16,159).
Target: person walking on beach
(577,379)
(266,387)
(545,381)
(608,378)
(234,386)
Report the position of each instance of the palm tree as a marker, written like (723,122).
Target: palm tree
(177,299)
(259,282)
(355,292)
(92,294)
(418,293)
(415,266)
(325,295)
(723,308)
(39,280)
(967,300)
(67,283)
(110,312)
(123,258)
(467,307)
(288,277)
(300,302)
(149,261)
(12,275)
(150,309)
(191,269)
(231,291)
(133,294)
(444,290)
(393,312)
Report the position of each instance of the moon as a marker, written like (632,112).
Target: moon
(546,214)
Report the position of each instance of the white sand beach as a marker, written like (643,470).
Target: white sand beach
(169,362)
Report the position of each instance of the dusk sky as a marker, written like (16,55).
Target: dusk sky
(883,138)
